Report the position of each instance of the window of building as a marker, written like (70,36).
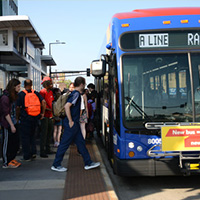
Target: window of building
(4,38)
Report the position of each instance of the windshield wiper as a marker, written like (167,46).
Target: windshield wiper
(167,107)
(137,108)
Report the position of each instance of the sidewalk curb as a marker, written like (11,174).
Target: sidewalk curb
(110,189)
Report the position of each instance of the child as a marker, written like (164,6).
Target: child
(57,121)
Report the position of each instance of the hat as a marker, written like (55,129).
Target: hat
(46,78)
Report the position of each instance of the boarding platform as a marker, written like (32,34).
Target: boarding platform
(34,180)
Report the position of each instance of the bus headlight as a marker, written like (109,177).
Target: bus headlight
(131,145)
(139,148)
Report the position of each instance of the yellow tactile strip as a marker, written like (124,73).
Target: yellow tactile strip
(83,184)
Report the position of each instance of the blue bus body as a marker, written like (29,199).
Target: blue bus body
(152,75)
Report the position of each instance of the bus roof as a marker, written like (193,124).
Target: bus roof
(154,12)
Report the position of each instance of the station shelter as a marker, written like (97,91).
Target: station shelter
(21,51)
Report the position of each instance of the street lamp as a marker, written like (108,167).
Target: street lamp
(57,42)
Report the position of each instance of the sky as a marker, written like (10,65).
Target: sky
(81,25)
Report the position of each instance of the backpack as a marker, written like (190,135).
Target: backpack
(59,105)
(32,103)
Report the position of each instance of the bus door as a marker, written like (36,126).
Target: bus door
(105,108)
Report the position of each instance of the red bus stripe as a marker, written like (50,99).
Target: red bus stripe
(158,12)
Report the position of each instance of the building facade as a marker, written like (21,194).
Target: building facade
(8,7)
(20,48)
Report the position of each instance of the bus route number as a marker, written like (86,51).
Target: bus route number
(153,40)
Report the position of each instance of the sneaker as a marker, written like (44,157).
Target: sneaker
(43,155)
(5,166)
(27,160)
(34,156)
(56,144)
(59,169)
(12,165)
(92,165)
(15,162)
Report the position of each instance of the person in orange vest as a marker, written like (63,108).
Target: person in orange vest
(47,121)
(30,108)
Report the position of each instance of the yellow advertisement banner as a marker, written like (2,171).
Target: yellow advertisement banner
(180,138)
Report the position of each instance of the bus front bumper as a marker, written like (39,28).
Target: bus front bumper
(147,167)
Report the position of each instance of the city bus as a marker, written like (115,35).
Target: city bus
(148,85)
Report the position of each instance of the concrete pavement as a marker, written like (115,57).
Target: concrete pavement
(35,181)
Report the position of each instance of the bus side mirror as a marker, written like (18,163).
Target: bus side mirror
(98,68)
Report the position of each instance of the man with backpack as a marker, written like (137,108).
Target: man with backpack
(30,108)
(72,131)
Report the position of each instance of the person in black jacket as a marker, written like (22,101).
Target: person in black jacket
(8,123)
(29,118)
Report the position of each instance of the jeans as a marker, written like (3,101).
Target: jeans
(27,132)
(46,135)
(70,135)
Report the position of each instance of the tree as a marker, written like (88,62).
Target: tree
(67,82)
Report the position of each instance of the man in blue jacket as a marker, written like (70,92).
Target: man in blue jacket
(72,131)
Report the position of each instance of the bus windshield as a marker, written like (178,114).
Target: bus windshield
(158,88)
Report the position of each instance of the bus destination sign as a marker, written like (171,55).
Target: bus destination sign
(153,40)
(174,39)
(166,40)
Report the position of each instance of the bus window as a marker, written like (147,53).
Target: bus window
(116,103)
(164,83)
(172,84)
(152,83)
(157,82)
(182,84)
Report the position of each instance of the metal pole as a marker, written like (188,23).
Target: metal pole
(50,65)
(57,42)
(50,71)
(192,88)
(50,48)
(54,43)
